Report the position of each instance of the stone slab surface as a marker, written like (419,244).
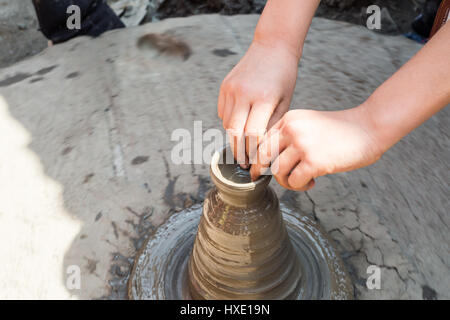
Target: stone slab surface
(86,172)
(19,34)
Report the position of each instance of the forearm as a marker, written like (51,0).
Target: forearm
(286,23)
(413,94)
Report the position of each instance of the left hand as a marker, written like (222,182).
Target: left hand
(255,95)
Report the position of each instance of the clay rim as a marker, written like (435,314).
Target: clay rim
(216,174)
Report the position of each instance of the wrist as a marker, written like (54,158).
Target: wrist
(368,121)
(277,42)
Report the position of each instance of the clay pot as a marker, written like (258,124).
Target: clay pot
(239,246)
(242,249)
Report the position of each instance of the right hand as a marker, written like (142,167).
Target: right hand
(255,95)
(306,144)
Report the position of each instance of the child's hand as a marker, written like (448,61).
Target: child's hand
(256,94)
(315,143)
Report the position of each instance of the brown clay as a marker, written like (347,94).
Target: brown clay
(242,250)
(242,244)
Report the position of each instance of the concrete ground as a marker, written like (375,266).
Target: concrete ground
(19,35)
(86,171)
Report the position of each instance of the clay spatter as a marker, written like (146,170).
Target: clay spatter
(241,244)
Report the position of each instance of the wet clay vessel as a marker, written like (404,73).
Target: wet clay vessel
(242,244)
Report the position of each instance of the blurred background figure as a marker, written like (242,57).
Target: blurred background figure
(96,18)
(20,37)
(424,22)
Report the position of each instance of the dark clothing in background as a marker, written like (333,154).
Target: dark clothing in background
(96,18)
(424,22)
(443,14)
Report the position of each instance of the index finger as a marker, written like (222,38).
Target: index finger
(272,145)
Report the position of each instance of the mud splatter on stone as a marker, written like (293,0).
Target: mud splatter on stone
(143,227)
(120,271)
(88,177)
(98,216)
(66,151)
(72,75)
(36,79)
(114,225)
(91,265)
(22,76)
(139,160)
(147,187)
(223,52)
(14,79)
(162,45)
(43,71)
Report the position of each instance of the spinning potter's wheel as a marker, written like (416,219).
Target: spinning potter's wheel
(241,244)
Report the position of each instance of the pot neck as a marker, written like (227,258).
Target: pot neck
(234,184)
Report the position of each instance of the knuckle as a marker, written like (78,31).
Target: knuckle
(266,96)
(289,129)
(224,86)
(240,89)
(312,167)
(230,86)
